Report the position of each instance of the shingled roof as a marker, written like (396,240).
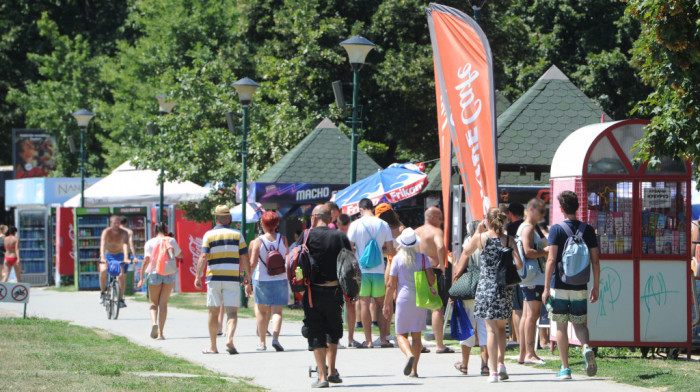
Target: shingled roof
(322,157)
(531,129)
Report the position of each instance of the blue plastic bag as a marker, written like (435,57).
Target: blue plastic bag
(460,326)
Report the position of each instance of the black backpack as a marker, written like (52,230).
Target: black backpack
(349,273)
(507,274)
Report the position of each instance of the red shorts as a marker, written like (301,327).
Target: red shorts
(10,260)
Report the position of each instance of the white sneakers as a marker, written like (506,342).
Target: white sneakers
(502,374)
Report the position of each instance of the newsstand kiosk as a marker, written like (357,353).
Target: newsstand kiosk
(641,217)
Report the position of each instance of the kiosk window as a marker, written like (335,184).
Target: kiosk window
(610,214)
(604,159)
(664,217)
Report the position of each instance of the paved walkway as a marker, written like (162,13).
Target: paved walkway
(375,369)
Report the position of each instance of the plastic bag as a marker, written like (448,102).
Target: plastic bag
(460,326)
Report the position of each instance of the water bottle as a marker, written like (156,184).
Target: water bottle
(548,305)
(298,273)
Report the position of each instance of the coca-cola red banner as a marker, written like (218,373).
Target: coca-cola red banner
(189,236)
(65,237)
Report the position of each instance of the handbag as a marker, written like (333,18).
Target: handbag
(460,326)
(507,274)
(424,297)
(465,286)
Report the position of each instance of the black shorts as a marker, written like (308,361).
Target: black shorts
(443,284)
(323,323)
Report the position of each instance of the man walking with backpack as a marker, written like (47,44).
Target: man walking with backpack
(369,235)
(573,250)
(323,302)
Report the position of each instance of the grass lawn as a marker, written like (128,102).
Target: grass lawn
(628,367)
(43,355)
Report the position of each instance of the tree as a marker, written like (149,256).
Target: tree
(668,55)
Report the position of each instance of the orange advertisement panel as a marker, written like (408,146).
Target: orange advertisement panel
(464,73)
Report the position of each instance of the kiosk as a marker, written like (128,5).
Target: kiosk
(641,217)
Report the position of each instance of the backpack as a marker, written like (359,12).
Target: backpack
(575,265)
(372,254)
(274,261)
(299,257)
(164,262)
(349,273)
(507,273)
(531,267)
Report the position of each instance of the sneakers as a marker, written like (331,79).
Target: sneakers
(277,345)
(261,347)
(502,373)
(564,374)
(589,360)
(493,377)
(320,384)
(103,295)
(335,378)
(122,304)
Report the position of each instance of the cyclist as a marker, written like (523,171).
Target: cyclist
(113,249)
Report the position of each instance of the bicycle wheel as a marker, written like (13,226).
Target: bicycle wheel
(114,294)
(107,302)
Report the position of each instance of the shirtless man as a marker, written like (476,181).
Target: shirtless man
(113,249)
(432,243)
(123,221)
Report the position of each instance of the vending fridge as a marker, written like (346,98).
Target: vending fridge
(34,242)
(89,223)
(137,221)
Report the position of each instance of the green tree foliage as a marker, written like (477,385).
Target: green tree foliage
(668,54)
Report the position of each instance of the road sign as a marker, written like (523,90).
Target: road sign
(14,292)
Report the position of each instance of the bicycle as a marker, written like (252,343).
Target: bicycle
(111,300)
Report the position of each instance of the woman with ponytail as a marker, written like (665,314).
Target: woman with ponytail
(493,303)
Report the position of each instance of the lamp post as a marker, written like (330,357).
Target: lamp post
(165,106)
(83,118)
(357,48)
(246,88)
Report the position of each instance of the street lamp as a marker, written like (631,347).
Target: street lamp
(83,118)
(246,88)
(357,48)
(165,106)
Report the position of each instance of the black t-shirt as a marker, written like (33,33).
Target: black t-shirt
(558,237)
(324,245)
(512,227)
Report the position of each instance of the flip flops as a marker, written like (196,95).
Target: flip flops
(206,351)
(445,350)
(231,350)
(387,345)
(154,331)
(460,368)
(355,344)
(409,365)
(425,350)
(534,362)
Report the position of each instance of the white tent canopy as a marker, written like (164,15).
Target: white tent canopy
(128,186)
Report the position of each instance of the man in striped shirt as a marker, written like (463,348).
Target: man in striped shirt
(224,253)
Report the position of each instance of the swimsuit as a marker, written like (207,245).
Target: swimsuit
(10,260)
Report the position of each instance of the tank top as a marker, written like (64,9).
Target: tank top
(260,273)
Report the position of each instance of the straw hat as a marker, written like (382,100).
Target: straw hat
(222,210)
(408,238)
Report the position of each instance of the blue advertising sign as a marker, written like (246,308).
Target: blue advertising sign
(42,190)
(291,193)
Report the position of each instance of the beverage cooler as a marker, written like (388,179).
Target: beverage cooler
(89,223)
(138,223)
(32,228)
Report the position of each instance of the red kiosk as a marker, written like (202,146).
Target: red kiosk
(642,219)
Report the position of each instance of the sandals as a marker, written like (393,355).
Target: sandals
(425,350)
(484,370)
(445,350)
(460,368)
(206,351)
(231,350)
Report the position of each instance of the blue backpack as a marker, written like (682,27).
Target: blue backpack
(531,267)
(372,255)
(575,265)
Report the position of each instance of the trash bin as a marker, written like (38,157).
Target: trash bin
(129,283)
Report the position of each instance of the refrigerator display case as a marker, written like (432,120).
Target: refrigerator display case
(33,235)
(89,223)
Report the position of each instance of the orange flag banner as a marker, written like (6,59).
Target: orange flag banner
(465,92)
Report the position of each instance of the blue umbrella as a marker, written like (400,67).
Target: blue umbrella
(391,185)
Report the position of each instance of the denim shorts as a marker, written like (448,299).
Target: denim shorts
(156,279)
(532,293)
(272,292)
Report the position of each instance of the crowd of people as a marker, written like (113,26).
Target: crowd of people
(387,289)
